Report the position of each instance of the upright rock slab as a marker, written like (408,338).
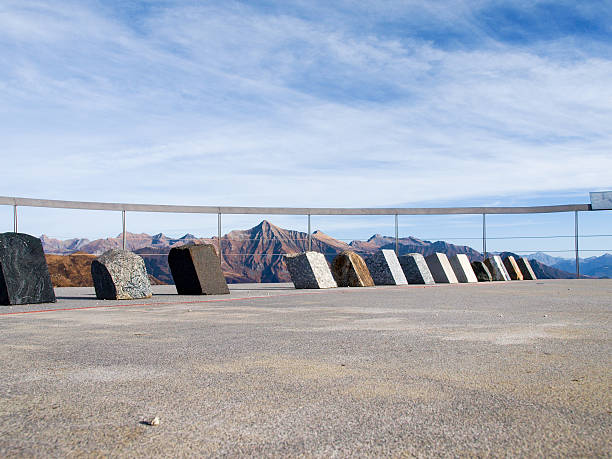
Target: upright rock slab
(120,275)
(512,268)
(496,268)
(441,269)
(350,270)
(24,275)
(415,269)
(385,268)
(526,269)
(309,270)
(481,271)
(196,270)
(462,268)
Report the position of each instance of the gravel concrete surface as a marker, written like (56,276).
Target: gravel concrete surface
(495,369)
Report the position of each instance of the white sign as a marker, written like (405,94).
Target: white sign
(601,200)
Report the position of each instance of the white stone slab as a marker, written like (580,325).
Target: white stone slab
(462,268)
(385,268)
(441,269)
(309,270)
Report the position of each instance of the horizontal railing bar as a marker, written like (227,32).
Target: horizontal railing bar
(84,205)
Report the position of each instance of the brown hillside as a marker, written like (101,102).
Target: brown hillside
(70,270)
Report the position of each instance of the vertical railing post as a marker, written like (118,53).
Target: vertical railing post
(15,218)
(396,236)
(219,234)
(576,244)
(484,235)
(123,234)
(309,235)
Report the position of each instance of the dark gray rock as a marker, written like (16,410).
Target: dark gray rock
(415,269)
(120,275)
(512,268)
(496,268)
(309,270)
(481,271)
(196,270)
(24,274)
(462,268)
(385,268)
(441,269)
(350,270)
(526,269)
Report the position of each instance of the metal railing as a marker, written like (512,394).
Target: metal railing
(306,211)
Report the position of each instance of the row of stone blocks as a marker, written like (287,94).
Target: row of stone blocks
(117,274)
(310,269)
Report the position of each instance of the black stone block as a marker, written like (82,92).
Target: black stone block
(196,270)
(24,274)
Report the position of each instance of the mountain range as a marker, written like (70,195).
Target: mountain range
(256,254)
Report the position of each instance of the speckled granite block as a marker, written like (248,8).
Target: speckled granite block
(196,270)
(120,275)
(309,270)
(496,268)
(385,268)
(512,268)
(441,269)
(462,268)
(415,269)
(24,275)
(526,269)
(481,271)
(350,270)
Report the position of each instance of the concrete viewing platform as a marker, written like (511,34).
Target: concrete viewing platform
(521,368)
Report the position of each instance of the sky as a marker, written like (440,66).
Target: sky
(306,104)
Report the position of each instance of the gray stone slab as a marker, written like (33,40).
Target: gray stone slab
(481,271)
(385,268)
(309,270)
(441,269)
(415,269)
(196,270)
(462,268)
(526,269)
(497,269)
(120,275)
(350,270)
(512,268)
(24,274)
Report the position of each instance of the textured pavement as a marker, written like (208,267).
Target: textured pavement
(496,369)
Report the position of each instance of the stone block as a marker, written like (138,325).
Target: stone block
(481,271)
(441,269)
(385,268)
(512,268)
(350,270)
(462,268)
(415,269)
(120,275)
(309,270)
(496,268)
(196,270)
(526,269)
(24,274)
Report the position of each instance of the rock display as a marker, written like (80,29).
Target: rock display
(309,270)
(512,268)
(415,269)
(441,269)
(481,271)
(196,270)
(350,270)
(462,268)
(496,268)
(385,268)
(526,269)
(120,275)
(24,275)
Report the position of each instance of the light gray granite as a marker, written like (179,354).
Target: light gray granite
(309,270)
(415,269)
(526,269)
(497,269)
(385,268)
(441,269)
(120,275)
(462,268)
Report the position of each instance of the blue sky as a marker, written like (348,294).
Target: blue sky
(303,103)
